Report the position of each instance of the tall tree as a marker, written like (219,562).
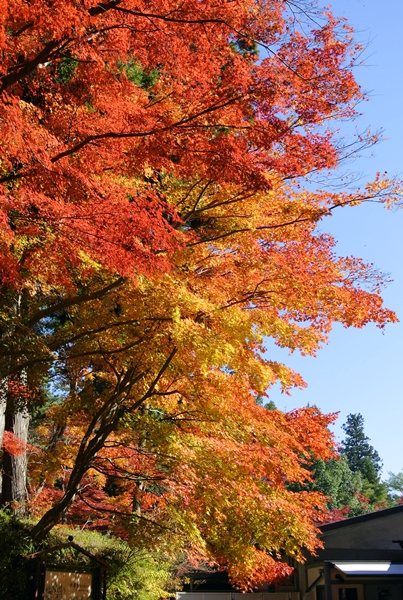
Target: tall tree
(170,369)
(89,104)
(356,447)
(363,458)
(151,203)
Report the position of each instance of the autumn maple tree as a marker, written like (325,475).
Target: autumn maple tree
(159,426)
(154,230)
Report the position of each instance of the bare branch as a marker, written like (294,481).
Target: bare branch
(150,391)
(123,514)
(140,134)
(21,71)
(50,310)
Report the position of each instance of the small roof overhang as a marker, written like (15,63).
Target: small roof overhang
(370,568)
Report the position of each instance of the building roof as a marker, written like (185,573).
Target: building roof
(379,514)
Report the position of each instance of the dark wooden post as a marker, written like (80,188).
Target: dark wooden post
(328,580)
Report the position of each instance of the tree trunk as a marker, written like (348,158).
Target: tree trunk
(102,424)
(14,418)
(14,480)
(85,456)
(55,515)
(3,404)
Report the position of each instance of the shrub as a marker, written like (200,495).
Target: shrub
(133,574)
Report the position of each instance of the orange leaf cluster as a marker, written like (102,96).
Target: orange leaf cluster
(12,444)
(90,102)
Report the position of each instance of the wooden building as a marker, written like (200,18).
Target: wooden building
(362,559)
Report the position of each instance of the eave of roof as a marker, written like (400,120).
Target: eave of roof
(379,514)
(369,568)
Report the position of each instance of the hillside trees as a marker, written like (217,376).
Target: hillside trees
(341,486)
(153,232)
(395,486)
(352,480)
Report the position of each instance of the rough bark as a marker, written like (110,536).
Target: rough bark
(14,478)
(3,403)
(14,418)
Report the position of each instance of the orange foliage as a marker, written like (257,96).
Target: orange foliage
(80,121)
(13,444)
(153,235)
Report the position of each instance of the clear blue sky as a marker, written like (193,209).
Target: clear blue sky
(361,371)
